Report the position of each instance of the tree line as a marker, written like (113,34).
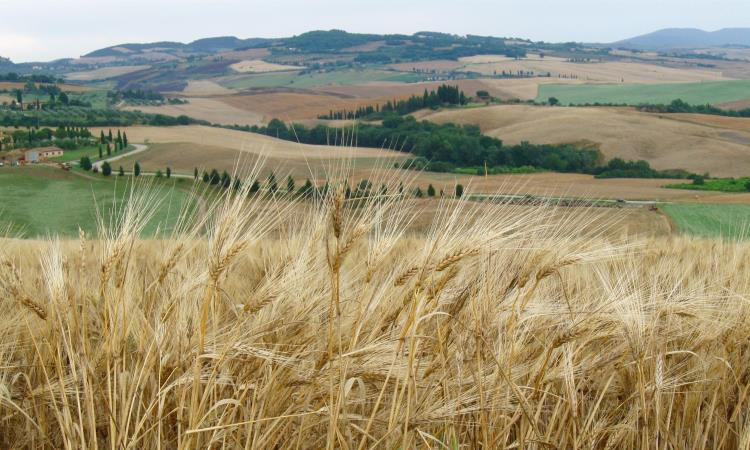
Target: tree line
(271,185)
(680,106)
(67,138)
(444,95)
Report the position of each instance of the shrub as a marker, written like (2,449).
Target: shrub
(85,163)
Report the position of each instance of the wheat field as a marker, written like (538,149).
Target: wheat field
(251,328)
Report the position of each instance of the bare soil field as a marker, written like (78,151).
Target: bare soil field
(599,72)
(104,73)
(666,143)
(213,110)
(260,66)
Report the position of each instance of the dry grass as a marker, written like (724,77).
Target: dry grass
(706,143)
(490,330)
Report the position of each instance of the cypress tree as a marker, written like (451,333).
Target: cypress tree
(273,186)
(290,184)
(214,178)
(136,169)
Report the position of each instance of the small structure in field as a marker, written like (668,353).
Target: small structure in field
(40,154)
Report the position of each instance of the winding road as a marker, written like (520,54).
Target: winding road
(139,148)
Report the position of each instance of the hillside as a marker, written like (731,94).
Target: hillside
(721,147)
(681,38)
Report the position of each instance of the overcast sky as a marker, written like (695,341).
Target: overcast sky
(40,30)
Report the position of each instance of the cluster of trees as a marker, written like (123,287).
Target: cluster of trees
(35,78)
(444,95)
(679,106)
(57,98)
(67,138)
(619,168)
(109,142)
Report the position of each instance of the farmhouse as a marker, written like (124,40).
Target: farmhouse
(42,153)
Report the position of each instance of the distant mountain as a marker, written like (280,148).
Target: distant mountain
(681,38)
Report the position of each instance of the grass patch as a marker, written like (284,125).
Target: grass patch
(717,184)
(40,201)
(344,77)
(77,154)
(711,220)
(712,92)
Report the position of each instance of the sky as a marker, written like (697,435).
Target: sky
(42,30)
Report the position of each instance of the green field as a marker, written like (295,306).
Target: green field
(713,92)
(91,152)
(716,184)
(42,201)
(709,220)
(342,77)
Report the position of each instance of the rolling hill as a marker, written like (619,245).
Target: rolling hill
(681,38)
(719,145)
